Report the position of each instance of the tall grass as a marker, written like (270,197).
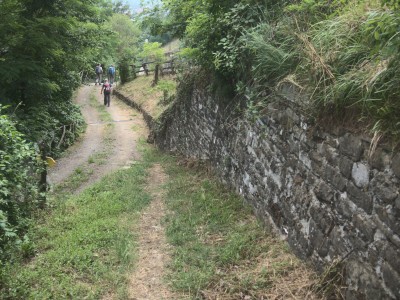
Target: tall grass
(272,53)
(365,67)
(348,61)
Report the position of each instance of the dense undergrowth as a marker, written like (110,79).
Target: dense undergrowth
(47,49)
(343,54)
(27,137)
(19,191)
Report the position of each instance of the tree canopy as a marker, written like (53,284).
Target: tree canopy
(46,50)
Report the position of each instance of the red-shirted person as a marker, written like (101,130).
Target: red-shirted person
(106,87)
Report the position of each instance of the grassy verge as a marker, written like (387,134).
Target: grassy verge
(153,100)
(99,157)
(84,246)
(220,251)
(101,109)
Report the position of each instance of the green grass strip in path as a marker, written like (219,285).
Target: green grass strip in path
(85,246)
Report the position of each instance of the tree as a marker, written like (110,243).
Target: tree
(124,43)
(18,188)
(125,37)
(44,47)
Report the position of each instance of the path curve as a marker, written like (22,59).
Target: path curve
(129,127)
(146,281)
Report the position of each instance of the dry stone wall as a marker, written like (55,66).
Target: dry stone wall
(320,190)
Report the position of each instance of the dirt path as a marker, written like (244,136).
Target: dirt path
(146,283)
(147,280)
(88,144)
(128,128)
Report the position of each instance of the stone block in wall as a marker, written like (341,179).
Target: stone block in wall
(319,241)
(396,165)
(392,256)
(345,166)
(330,153)
(339,182)
(323,217)
(392,280)
(356,240)
(390,216)
(339,246)
(351,146)
(317,163)
(344,206)
(365,225)
(324,192)
(363,282)
(285,121)
(297,133)
(359,197)
(379,160)
(301,243)
(332,175)
(293,145)
(360,175)
(385,232)
(374,252)
(318,135)
(382,188)
(276,214)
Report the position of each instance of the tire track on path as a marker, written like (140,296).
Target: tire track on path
(128,128)
(146,282)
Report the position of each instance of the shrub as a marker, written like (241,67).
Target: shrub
(19,195)
(55,125)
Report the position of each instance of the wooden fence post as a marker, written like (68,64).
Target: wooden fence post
(43,176)
(156,71)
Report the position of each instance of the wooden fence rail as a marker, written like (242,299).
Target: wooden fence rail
(166,65)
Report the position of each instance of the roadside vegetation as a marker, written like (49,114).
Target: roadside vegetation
(82,246)
(85,247)
(343,55)
(153,99)
(47,50)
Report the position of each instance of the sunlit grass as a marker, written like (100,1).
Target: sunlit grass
(85,245)
(141,91)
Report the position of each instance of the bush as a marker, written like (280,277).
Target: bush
(19,194)
(54,125)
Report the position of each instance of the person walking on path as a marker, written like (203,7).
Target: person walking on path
(99,73)
(111,74)
(106,88)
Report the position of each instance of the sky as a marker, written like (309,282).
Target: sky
(135,4)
